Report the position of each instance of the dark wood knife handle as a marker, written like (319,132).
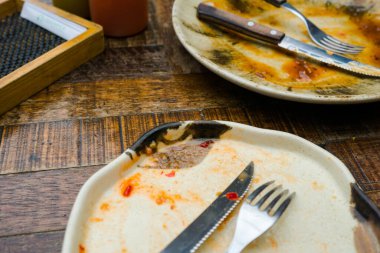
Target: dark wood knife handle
(276,3)
(239,24)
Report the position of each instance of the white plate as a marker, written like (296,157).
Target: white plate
(269,71)
(161,203)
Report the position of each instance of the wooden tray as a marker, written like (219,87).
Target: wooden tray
(45,69)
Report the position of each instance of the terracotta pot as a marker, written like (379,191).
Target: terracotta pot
(120,18)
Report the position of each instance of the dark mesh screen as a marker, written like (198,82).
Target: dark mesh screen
(21,41)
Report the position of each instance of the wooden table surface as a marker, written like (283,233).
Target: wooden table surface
(53,142)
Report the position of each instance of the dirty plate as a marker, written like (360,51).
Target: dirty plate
(273,72)
(142,200)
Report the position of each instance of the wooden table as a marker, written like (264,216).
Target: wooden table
(53,142)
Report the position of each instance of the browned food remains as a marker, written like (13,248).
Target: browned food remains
(180,156)
(255,60)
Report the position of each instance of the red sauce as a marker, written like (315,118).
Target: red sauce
(127,191)
(170,174)
(232,196)
(130,184)
(205,144)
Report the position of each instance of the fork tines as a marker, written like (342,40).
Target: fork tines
(278,200)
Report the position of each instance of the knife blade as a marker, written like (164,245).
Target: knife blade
(205,224)
(206,11)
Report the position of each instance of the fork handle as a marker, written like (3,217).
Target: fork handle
(239,24)
(276,3)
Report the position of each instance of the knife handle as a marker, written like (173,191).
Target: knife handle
(239,24)
(276,3)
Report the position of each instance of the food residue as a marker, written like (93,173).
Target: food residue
(96,219)
(105,207)
(301,70)
(205,144)
(232,196)
(82,249)
(162,197)
(256,180)
(273,242)
(127,190)
(128,185)
(170,174)
(317,186)
(179,156)
(254,60)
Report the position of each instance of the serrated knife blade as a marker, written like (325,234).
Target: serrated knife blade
(322,55)
(207,12)
(205,224)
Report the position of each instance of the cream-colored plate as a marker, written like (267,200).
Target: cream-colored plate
(141,204)
(270,71)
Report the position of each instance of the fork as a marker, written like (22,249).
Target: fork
(317,35)
(255,219)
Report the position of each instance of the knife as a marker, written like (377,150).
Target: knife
(205,224)
(250,28)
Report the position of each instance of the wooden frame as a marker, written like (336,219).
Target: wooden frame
(47,68)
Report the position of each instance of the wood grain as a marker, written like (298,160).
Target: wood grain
(235,114)
(85,142)
(38,242)
(317,123)
(362,156)
(121,63)
(39,201)
(40,146)
(374,196)
(127,96)
(180,60)
(100,141)
(62,144)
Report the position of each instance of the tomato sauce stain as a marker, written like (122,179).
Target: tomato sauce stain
(232,196)
(170,174)
(128,185)
(206,144)
(128,190)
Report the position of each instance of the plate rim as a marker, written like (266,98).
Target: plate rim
(259,88)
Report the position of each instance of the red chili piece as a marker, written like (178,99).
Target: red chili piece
(170,174)
(205,144)
(127,191)
(232,196)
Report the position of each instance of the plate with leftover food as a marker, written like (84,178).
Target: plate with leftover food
(270,71)
(143,199)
